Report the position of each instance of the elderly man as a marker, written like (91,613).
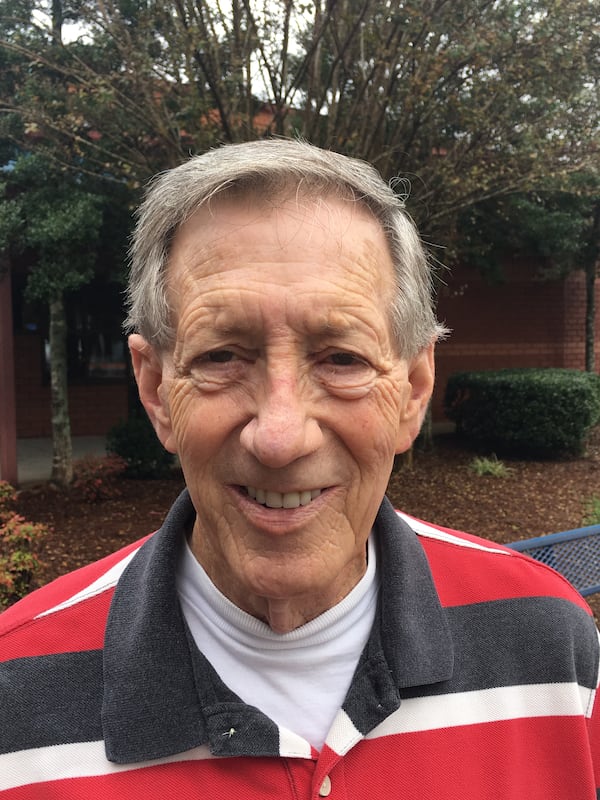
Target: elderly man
(286,633)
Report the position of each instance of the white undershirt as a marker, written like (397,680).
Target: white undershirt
(299,679)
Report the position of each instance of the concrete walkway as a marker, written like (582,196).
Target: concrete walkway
(34,456)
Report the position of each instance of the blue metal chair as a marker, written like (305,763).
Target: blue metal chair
(575,554)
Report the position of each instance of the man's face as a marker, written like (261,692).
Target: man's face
(284,398)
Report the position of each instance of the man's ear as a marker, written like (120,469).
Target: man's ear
(149,376)
(421,377)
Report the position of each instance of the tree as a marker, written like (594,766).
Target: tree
(51,219)
(468,99)
(558,227)
(592,266)
(457,102)
(56,224)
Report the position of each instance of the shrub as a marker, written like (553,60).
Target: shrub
(540,412)
(95,477)
(18,539)
(8,496)
(135,441)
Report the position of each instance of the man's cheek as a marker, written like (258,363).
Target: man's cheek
(387,406)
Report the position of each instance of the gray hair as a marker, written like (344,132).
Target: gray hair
(274,167)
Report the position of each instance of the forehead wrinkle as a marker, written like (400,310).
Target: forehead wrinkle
(214,260)
(238,307)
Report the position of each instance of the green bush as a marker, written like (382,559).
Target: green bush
(18,540)
(134,440)
(542,412)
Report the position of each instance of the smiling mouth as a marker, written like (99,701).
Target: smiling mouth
(282,499)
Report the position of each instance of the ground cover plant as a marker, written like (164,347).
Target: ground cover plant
(592,510)
(490,465)
(532,498)
(19,542)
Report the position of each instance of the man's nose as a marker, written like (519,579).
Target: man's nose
(282,430)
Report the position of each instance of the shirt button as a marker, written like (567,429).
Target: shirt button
(325,789)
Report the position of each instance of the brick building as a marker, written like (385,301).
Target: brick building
(94,406)
(99,381)
(524,322)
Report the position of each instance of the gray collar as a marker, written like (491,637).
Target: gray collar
(162,697)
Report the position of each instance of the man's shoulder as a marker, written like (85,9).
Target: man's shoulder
(67,614)
(468,568)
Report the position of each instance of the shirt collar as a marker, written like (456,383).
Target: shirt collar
(162,697)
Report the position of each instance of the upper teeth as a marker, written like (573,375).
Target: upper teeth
(282,499)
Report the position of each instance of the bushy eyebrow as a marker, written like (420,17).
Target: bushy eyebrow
(335,326)
(324,327)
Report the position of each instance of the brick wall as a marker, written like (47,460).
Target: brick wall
(93,408)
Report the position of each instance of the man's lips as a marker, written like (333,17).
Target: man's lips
(272,499)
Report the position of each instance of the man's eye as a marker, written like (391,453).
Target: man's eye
(344,359)
(219,356)
(345,374)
